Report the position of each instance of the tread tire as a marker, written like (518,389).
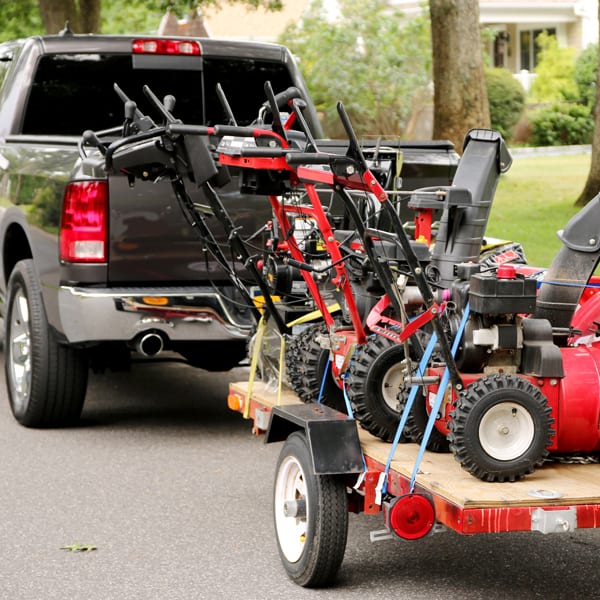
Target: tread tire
(294,349)
(46,381)
(313,361)
(311,548)
(416,424)
(475,403)
(370,365)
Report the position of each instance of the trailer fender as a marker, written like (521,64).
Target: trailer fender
(332,436)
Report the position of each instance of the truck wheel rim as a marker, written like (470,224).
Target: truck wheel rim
(291,531)
(392,385)
(506,431)
(20,349)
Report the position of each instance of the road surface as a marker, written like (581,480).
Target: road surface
(173,492)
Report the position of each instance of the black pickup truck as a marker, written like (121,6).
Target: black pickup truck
(92,269)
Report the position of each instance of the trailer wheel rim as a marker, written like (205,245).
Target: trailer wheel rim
(392,385)
(290,485)
(20,349)
(506,431)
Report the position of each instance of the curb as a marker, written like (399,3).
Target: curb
(550,150)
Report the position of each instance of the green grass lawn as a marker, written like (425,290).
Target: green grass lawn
(535,199)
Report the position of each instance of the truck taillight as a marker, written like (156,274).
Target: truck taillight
(165,46)
(84,222)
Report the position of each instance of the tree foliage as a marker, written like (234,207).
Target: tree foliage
(506,98)
(554,81)
(367,58)
(586,67)
(21,18)
(183,7)
(562,124)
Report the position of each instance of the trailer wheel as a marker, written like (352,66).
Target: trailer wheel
(312,365)
(500,428)
(311,516)
(375,384)
(46,381)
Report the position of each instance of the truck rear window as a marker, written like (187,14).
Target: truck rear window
(74,92)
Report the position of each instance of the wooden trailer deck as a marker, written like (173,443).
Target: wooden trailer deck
(556,497)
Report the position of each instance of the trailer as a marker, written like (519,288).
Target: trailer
(329,466)
(503,369)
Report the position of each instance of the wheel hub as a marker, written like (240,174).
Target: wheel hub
(20,350)
(291,509)
(506,431)
(392,385)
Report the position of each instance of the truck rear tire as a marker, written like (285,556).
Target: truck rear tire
(46,381)
(311,516)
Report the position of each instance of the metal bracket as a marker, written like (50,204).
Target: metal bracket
(382,534)
(554,521)
(379,535)
(261,418)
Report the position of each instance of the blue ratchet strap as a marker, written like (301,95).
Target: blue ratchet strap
(325,373)
(407,408)
(351,415)
(349,411)
(346,399)
(566,284)
(438,399)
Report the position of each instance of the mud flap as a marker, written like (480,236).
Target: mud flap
(332,436)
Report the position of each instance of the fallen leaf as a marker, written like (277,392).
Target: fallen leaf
(79,548)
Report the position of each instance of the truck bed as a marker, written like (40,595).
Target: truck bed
(557,497)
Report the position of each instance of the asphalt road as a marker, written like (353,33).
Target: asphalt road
(174,493)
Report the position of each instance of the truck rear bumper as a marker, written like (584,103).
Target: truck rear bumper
(123,314)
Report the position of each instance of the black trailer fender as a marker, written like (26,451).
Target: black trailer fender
(332,436)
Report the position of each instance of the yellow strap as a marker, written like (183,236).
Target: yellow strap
(311,316)
(260,331)
(281,367)
(399,160)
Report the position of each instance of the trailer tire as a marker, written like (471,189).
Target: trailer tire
(374,385)
(501,428)
(46,380)
(311,516)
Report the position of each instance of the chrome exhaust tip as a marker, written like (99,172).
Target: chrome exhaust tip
(149,344)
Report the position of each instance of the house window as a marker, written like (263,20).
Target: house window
(529,47)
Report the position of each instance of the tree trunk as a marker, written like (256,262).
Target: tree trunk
(89,16)
(592,185)
(460,95)
(83,16)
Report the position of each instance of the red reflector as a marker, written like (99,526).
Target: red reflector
(84,223)
(412,516)
(165,46)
